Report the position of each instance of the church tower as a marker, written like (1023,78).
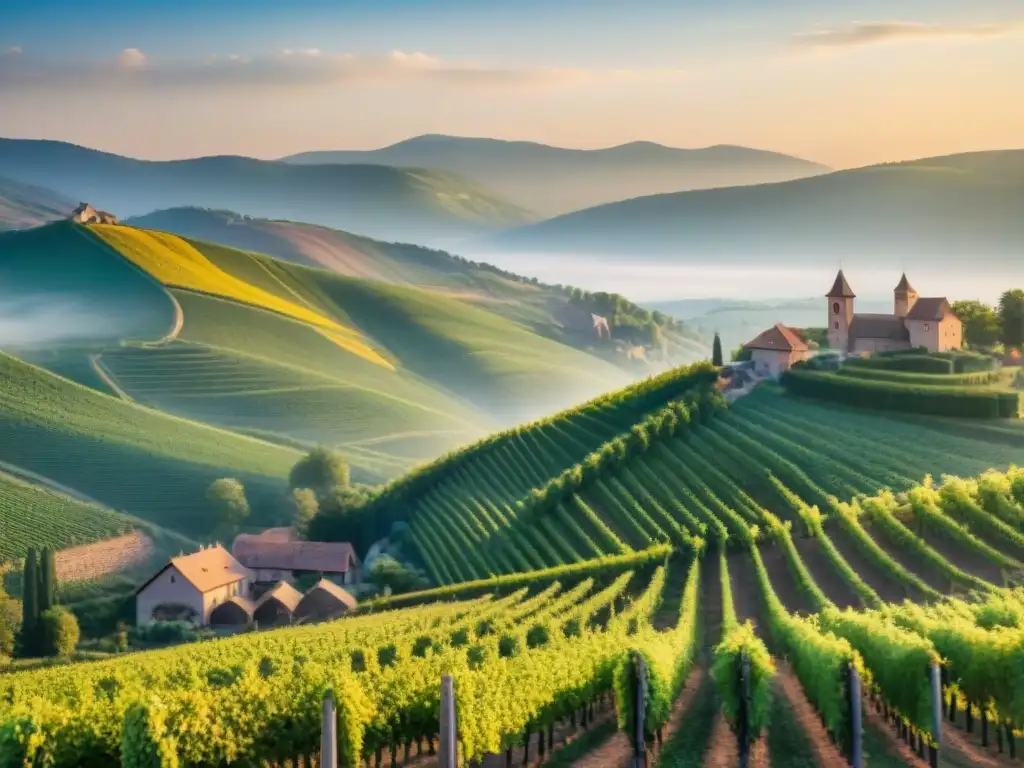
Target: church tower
(904,298)
(840,313)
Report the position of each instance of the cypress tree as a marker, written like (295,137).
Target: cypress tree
(30,605)
(716,350)
(47,581)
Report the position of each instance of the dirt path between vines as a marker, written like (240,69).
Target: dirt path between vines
(615,752)
(826,753)
(725,753)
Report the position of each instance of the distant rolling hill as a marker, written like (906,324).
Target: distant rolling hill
(545,309)
(378,200)
(555,180)
(293,355)
(928,212)
(24,205)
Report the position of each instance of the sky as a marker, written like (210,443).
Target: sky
(843,83)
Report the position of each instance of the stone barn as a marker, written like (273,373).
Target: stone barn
(277,606)
(326,600)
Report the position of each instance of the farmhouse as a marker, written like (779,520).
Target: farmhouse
(927,322)
(275,555)
(86,214)
(777,350)
(191,587)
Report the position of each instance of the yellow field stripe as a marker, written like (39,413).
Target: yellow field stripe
(176,263)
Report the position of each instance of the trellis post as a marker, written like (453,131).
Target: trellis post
(933,752)
(448,749)
(329,733)
(856,724)
(639,711)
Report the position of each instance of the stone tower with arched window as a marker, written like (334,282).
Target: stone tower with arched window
(904,298)
(840,313)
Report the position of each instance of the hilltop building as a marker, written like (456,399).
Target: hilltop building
(86,214)
(776,350)
(927,322)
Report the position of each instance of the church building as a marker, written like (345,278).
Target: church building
(915,322)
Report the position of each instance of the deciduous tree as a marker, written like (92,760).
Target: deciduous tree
(228,504)
(59,632)
(1011,318)
(981,323)
(321,470)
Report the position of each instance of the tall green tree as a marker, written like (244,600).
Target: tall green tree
(716,350)
(228,504)
(47,580)
(321,470)
(981,323)
(302,508)
(1011,318)
(30,606)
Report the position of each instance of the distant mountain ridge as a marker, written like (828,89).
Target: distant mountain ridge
(420,205)
(554,180)
(926,212)
(25,205)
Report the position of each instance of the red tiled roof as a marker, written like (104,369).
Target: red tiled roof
(206,569)
(780,338)
(324,556)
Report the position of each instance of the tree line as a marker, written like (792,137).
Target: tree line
(988,327)
(37,626)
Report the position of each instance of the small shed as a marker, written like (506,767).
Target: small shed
(325,600)
(234,612)
(277,606)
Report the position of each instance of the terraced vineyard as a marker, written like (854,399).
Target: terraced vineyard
(128,457)
(31,515)
(795,533)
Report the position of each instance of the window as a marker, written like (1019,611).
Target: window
(835,307)
(172,578)
(926,326)
(835,325)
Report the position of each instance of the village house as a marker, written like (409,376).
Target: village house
(916,322)
(86,214)
(275,555)
(777,350)
(191,587)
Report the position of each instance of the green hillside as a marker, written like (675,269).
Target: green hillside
(130,458)
(546,309)
(501,366)
(67,288)
(414,204)
(959,207)
(680,470)
(32,515)
(24,205)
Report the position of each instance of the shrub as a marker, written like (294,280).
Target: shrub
(962,402)
(925,379)
(59,633)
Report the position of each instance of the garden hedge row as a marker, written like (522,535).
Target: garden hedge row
(923,379)
(911,363)
(960,402)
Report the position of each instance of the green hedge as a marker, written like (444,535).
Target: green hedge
(962,402)
(913,363)
(979,379)
(971,362)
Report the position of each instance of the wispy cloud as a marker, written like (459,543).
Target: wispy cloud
(863,33)
(294,67)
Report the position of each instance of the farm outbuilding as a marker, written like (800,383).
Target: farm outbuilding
(275,555)
(325,600)
(277,606)
(235,612)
